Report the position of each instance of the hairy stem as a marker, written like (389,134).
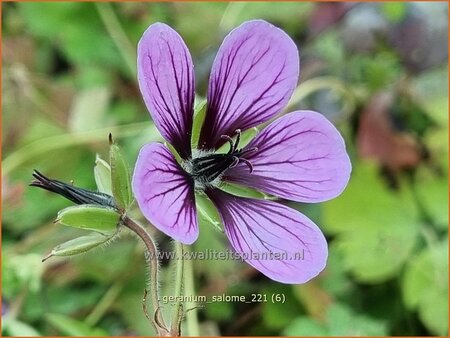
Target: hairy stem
(152,258)
(191,311)
(177,316)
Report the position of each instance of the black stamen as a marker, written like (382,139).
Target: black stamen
(207,168)
(72,193)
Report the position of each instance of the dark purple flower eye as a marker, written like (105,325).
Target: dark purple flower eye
(300,156)
(207,168)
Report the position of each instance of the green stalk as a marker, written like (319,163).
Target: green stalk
(104,304)
(46,145)
(189,291)
(114,28)
(177,316)
(152,258)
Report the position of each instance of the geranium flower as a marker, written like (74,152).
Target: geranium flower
(300,156)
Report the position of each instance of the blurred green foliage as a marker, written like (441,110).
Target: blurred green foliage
(69,79)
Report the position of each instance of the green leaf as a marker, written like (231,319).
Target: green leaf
(340,321)
(64,299)
(376,229)
(433,311)
(72,327)
(277,315)
(129,307)
(120,177)
(79,245)
(432,86)
(219,311)
(14,327)
(303,326)
(343,321)
(335,281)
(425,287)
(199,118)
(102,174)
(21,272)
(91,217)
(394,11)
(432,190)
(84,44)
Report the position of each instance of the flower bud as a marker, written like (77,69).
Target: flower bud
(72,193)
(91,217)
(78,245)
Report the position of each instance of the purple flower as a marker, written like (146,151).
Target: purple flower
(300,156)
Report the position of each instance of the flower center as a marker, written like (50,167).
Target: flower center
(207,168)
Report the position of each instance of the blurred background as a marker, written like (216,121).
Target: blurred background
(377,70)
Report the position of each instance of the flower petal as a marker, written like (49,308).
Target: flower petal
(166,80)
(252,78)
(165,194)
(301,157)
(279,241)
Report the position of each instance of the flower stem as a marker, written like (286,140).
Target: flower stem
(191,311)
(152,258)
(177,316)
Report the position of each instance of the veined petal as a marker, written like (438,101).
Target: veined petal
(301,157)
(166,80)
(279,241)
(165,194)
(253,76)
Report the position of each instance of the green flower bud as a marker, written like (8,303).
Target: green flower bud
(91,217)
(78,245)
